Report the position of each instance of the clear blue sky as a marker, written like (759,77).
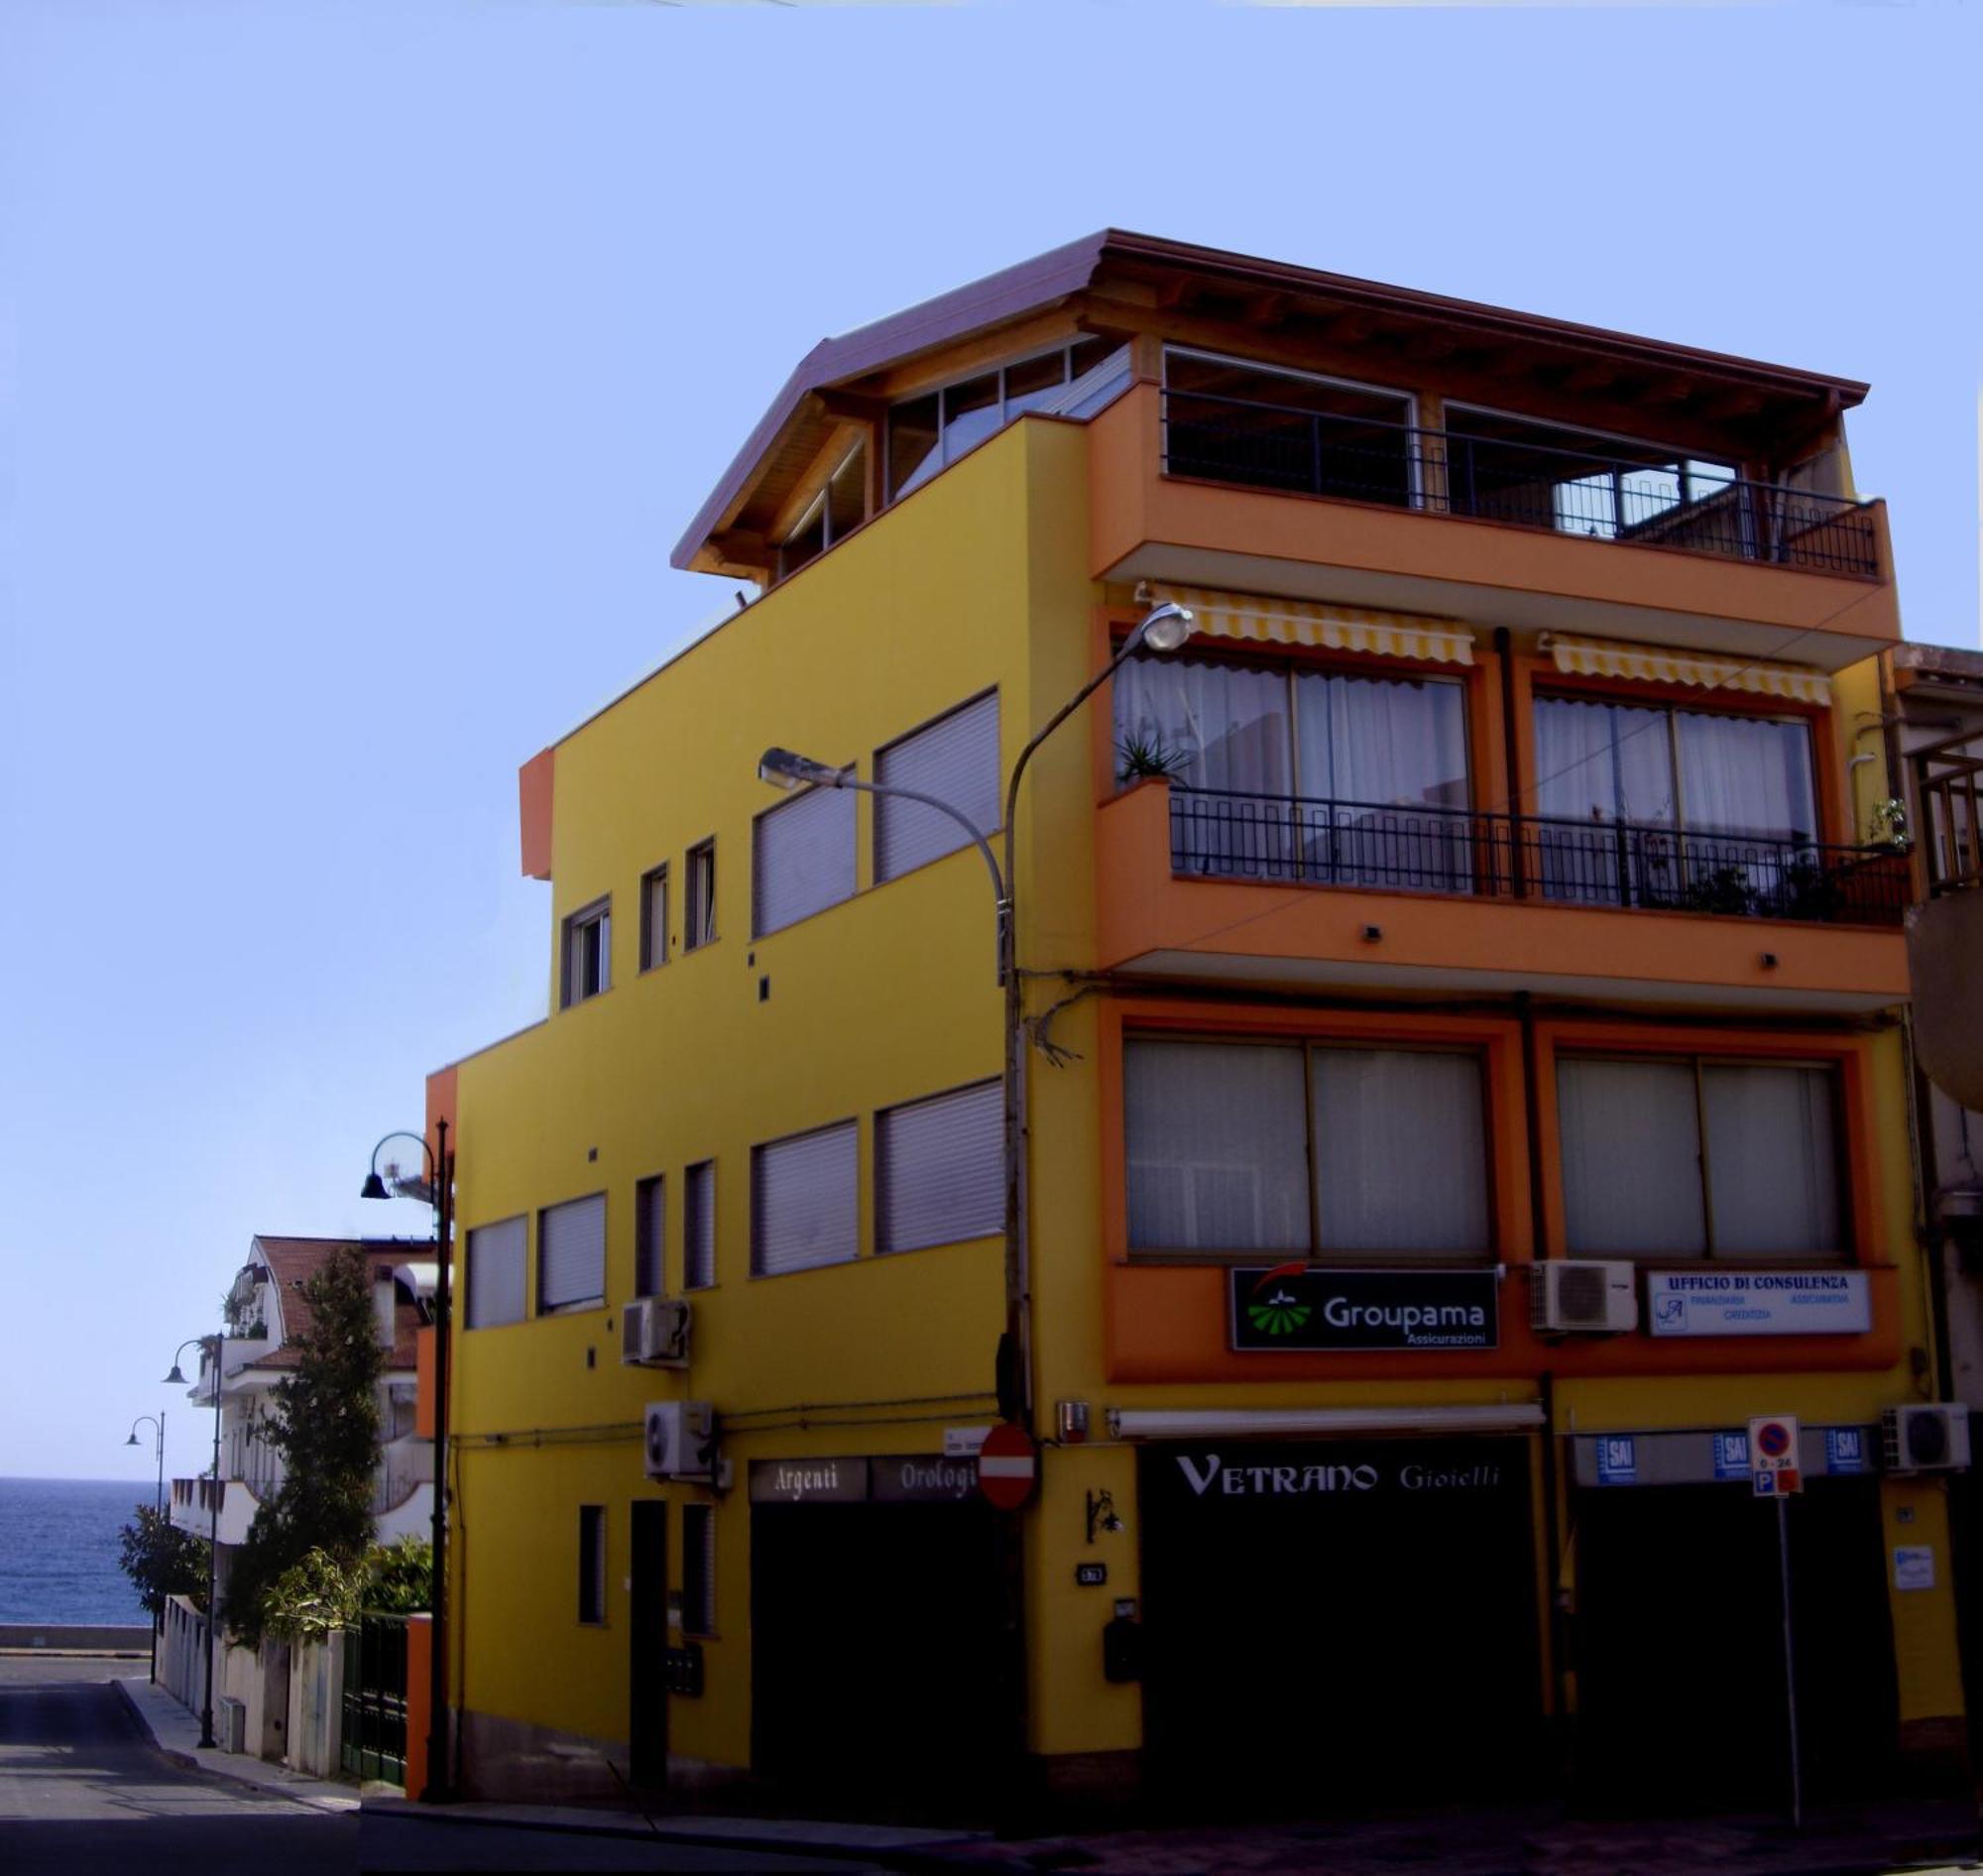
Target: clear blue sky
(359,364)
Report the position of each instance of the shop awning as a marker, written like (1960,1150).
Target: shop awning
(1659,664)
(1262,621)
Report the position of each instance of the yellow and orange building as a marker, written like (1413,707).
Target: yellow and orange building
(1462,1084)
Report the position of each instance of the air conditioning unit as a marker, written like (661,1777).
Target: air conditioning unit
(1925,1439)
(655,1330)
(681,1439)
(1575,1297)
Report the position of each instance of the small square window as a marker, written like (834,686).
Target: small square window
(588,952)
(592,1565)
(654,918)
(699,926)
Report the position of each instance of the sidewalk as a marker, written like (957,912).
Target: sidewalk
(176,1734)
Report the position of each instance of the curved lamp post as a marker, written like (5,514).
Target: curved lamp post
(438,1189)
(157,1422)
(1163,629)
(177,1379)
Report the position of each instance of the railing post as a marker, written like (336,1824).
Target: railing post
(1624,862)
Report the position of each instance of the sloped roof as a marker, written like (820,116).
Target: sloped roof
(1034,284)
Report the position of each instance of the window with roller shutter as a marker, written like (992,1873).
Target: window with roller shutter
(801,858)
(939,1169)
(956,760)
(804,1201)
(572,1255)
(495,1273)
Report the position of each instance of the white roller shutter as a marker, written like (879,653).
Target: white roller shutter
(939,1169)
(801,858)
(804,1200)
(571,1252)
(495,1273)
(954,758)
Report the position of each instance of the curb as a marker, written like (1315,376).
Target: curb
(631,1828)
(192,1762)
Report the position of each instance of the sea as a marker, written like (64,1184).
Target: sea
(58,1550)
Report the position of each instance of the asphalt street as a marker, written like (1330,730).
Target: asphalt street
(83,1791)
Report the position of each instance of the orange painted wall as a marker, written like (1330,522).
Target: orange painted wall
(1168,1321)
(533,812)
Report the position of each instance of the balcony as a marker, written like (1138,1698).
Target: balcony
(1298,892)
(195,1501)
(1217,491)
(1948,781)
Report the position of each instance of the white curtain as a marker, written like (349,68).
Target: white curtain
(1381,741)
(1400,1152)
(1772,1161)
(1631,1158)
(1227,726)
(1746,776)
(1601,761)
(1217,1159)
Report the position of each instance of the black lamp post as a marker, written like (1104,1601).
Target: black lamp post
(177,1379)
(158,1421)
(439,1188)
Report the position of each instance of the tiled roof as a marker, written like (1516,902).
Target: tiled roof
(293,1261)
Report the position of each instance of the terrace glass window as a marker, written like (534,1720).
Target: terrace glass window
(1228,420)
(929,432)
(1582,482)
(834,513)
(1277,1149)
(1699,809)
(1329,776)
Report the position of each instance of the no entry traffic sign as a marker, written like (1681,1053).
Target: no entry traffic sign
(1773,1455)
(1008,1465)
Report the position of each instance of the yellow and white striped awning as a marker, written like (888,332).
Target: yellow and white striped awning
(1301,622)
(1659,664)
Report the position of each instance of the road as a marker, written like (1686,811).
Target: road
(84,1789)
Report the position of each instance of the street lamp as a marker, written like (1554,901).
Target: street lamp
(1164,628)
(438,1189)
(158,1421)
(177,1380)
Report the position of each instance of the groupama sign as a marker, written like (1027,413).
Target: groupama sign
(1297,1307)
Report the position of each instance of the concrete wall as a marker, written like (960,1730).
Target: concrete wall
(97,1639)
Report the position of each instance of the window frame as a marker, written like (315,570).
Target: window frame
(597,915)
(654,955)
(698,1619)
(758,821)
(592,1584)
(699,929)
(651,1233)
(1480,1051)
(1067,348)
(689,1217)
(577,1306)
(821,505)
(845,1123)
(1845,1256)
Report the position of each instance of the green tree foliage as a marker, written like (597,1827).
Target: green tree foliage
(162,1560)
(327,1428)
(321,1594)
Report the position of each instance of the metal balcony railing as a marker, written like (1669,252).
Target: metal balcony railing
(1301,839)
(1647,500)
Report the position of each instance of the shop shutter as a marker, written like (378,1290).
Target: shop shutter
(803,1201)
(571,1252)
(954,758)
(495,1273)
(801,858)
(939,1169)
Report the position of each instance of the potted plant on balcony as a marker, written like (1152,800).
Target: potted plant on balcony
(1141,758)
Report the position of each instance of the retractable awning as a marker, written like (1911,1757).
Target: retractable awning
(1660,665)
(1265,620)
